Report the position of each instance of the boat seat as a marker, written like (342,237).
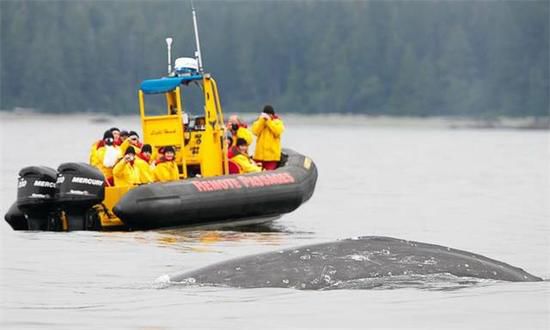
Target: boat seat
(234,168)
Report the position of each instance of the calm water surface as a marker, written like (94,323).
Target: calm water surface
(485,191)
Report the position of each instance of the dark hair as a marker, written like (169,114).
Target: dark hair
(168,149)
(130,150)
(241,141)
(112,129)
(133,133)
(269,110)
(124,133)
(147,148)
(108,135)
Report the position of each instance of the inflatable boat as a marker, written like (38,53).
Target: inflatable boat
(209,191)
(72,198)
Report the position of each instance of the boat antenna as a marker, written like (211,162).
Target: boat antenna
(169,46)
(198,51)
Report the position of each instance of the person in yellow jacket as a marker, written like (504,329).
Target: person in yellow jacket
(243,160)
(268,128)
(106,157)
(125,172)
(93,158)
(143,163)
(166,168)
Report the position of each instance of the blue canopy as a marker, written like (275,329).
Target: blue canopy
(163,85)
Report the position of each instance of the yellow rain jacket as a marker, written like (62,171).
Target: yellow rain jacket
(145,172)
(125,174)
(246,164)
(124,145)
(268,144)
(93,154)
(166,171)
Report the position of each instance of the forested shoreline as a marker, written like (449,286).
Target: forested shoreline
(396,58)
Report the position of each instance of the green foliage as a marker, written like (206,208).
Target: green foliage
(416,58)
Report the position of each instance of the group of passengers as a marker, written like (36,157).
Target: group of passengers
(125,161)
(268,129)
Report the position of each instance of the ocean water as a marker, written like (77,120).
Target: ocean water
(484,191)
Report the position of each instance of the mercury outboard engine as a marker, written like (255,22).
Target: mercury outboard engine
(36,190)
(80,186)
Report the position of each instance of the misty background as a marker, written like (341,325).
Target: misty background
(416,58)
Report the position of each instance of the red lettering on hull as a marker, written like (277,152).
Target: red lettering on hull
(255,181)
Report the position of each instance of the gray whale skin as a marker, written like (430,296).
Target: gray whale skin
(326,265)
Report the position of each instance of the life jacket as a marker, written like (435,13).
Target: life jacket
(107,156)
(144,168)
(126,173)
(166,170)
(246,164)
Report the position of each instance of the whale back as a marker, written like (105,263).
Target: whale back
(332,264)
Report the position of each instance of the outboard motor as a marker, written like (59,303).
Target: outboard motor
(80,186)
(36,190)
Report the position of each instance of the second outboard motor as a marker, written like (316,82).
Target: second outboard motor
(80,186)
(36,190)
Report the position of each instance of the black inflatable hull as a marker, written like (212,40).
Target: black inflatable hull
(16,219)
(220,199)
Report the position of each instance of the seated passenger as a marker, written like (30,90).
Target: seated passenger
(125,172)
(106,157)
(143,163)
(243,160)
(166,168)
(93,159)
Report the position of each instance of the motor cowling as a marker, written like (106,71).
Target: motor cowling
(36,193)
(36,186)
(79,187)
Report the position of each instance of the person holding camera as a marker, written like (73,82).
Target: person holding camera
(125,173)
(132,141)
(268,128)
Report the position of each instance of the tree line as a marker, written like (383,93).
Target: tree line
(403,58)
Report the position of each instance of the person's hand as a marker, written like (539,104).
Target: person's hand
(264,115)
